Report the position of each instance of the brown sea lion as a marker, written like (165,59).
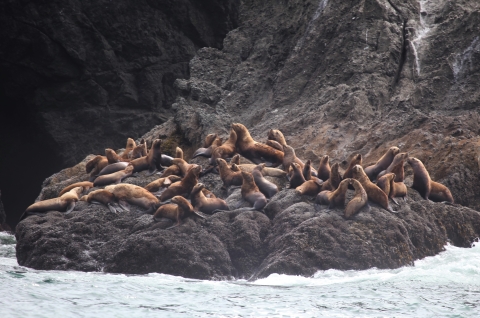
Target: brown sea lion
(129,193)
(206,151)
(173,170)
(334,198)
(113,167)
(85,184)
(333,180)
(396,167)
(274,144)
(101,196)
(277,135)
(385,183)
(155,186)
(95,165)
(375,194)
(228,176)
(268,188)
(289,156)
(183,187)
(227,150)
(323,171)
(115,177)
(112,156)
(183,165)
(307,170)
(203,204)
(235,160)
(139,151)
(311,187)
(397,189)
(251,193)
(382,164)
(178,153)
(428,189)
(152,161)
(267,171)
(297,178)
(359,200)
(356,160)
(255,151)
(64,203)
(177,211)
(128,148)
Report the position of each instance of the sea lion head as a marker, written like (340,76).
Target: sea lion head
(324,159)
(357,171)
(156,144)
(130,143)
(394,150)
(129,169)
(247,176)
(197,188)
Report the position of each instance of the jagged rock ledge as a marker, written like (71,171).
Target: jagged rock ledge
(291,237)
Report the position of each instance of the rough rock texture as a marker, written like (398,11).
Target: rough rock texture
(292,237)
(345,77)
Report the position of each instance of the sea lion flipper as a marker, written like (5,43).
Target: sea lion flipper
(124,205)
(70,207)
(198,214)
(152,172)
(111,208)
(395,201)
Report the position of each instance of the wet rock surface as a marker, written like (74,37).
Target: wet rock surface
(292,236)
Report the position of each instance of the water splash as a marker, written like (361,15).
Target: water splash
(422,32)
(311,26)
(463,61)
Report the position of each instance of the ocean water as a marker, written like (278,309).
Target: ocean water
(446,285)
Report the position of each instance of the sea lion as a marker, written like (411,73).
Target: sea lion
(129,193)
(307,170)
(311,187)
(428,189)
(359,200)
(128,148)
(139,151)
(277,135)
(203,204)
(85,184)
(382,164)
(183,165)
(289,156)
(385,183)
(356,160)
(267,171)
(152,161)
(274,144)
(154,186)
(228,176)
(95,165)
(268,188)
(323,170)
(173,170)
(334,198)
(112,156)
(255,151)
(206,151)
(166,160)
(115,177)
(177,211)
(183,187)
(64,203)
(374,193)
(251,193)
(113,167)
(178,153)
(333,180)
(297,178)
(396,167)
(235,160)
(227,150)
(101,196)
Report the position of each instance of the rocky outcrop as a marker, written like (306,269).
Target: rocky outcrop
(291,237)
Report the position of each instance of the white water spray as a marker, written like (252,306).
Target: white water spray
(422,32)
(463,61)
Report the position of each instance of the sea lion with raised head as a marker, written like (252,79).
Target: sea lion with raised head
(139,151)
(334,198)
(428,189)
(152,161)
(178,210)
(101,196)
(289,157)
(228,176)
(323,171)
(374,193)
(183,187)
(183,165)
(227,150)
(297,178)
(85,184)
(277,135)
(132,194)
(311,187)
(333,180)
(156,185)
(268,188)
(64,203)
(396,167)
(178,153)
(128,148)
(359,200)
(382,163)
(255,151)
(203,204)
(385,183)
(95,165)
(115,177)
(356,160)
(112,157)
(251,193)
(307,170)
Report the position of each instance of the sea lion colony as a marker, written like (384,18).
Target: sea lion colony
(178,194)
